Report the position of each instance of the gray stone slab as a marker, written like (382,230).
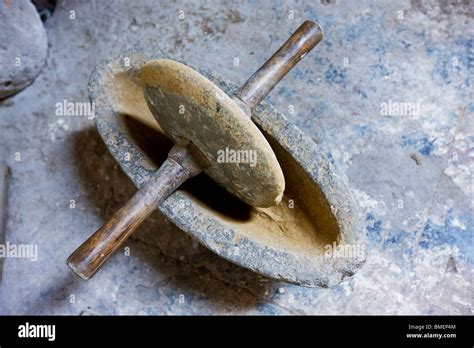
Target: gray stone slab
(411,172)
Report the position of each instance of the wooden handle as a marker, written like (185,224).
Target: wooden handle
(89,257)
(303,40)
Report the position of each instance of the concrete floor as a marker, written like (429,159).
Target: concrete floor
(412,174)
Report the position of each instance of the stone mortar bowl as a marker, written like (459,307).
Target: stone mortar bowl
(296,241)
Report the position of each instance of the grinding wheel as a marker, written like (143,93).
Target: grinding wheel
(187,105)
(205,124)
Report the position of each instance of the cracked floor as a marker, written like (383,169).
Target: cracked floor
(412,174)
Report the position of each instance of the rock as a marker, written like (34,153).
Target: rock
(23,46)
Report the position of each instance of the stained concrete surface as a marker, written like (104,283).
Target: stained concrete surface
(411,173)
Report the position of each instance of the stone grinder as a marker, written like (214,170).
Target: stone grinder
(202,120)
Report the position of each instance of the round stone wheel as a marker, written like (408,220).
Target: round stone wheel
(187,105)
